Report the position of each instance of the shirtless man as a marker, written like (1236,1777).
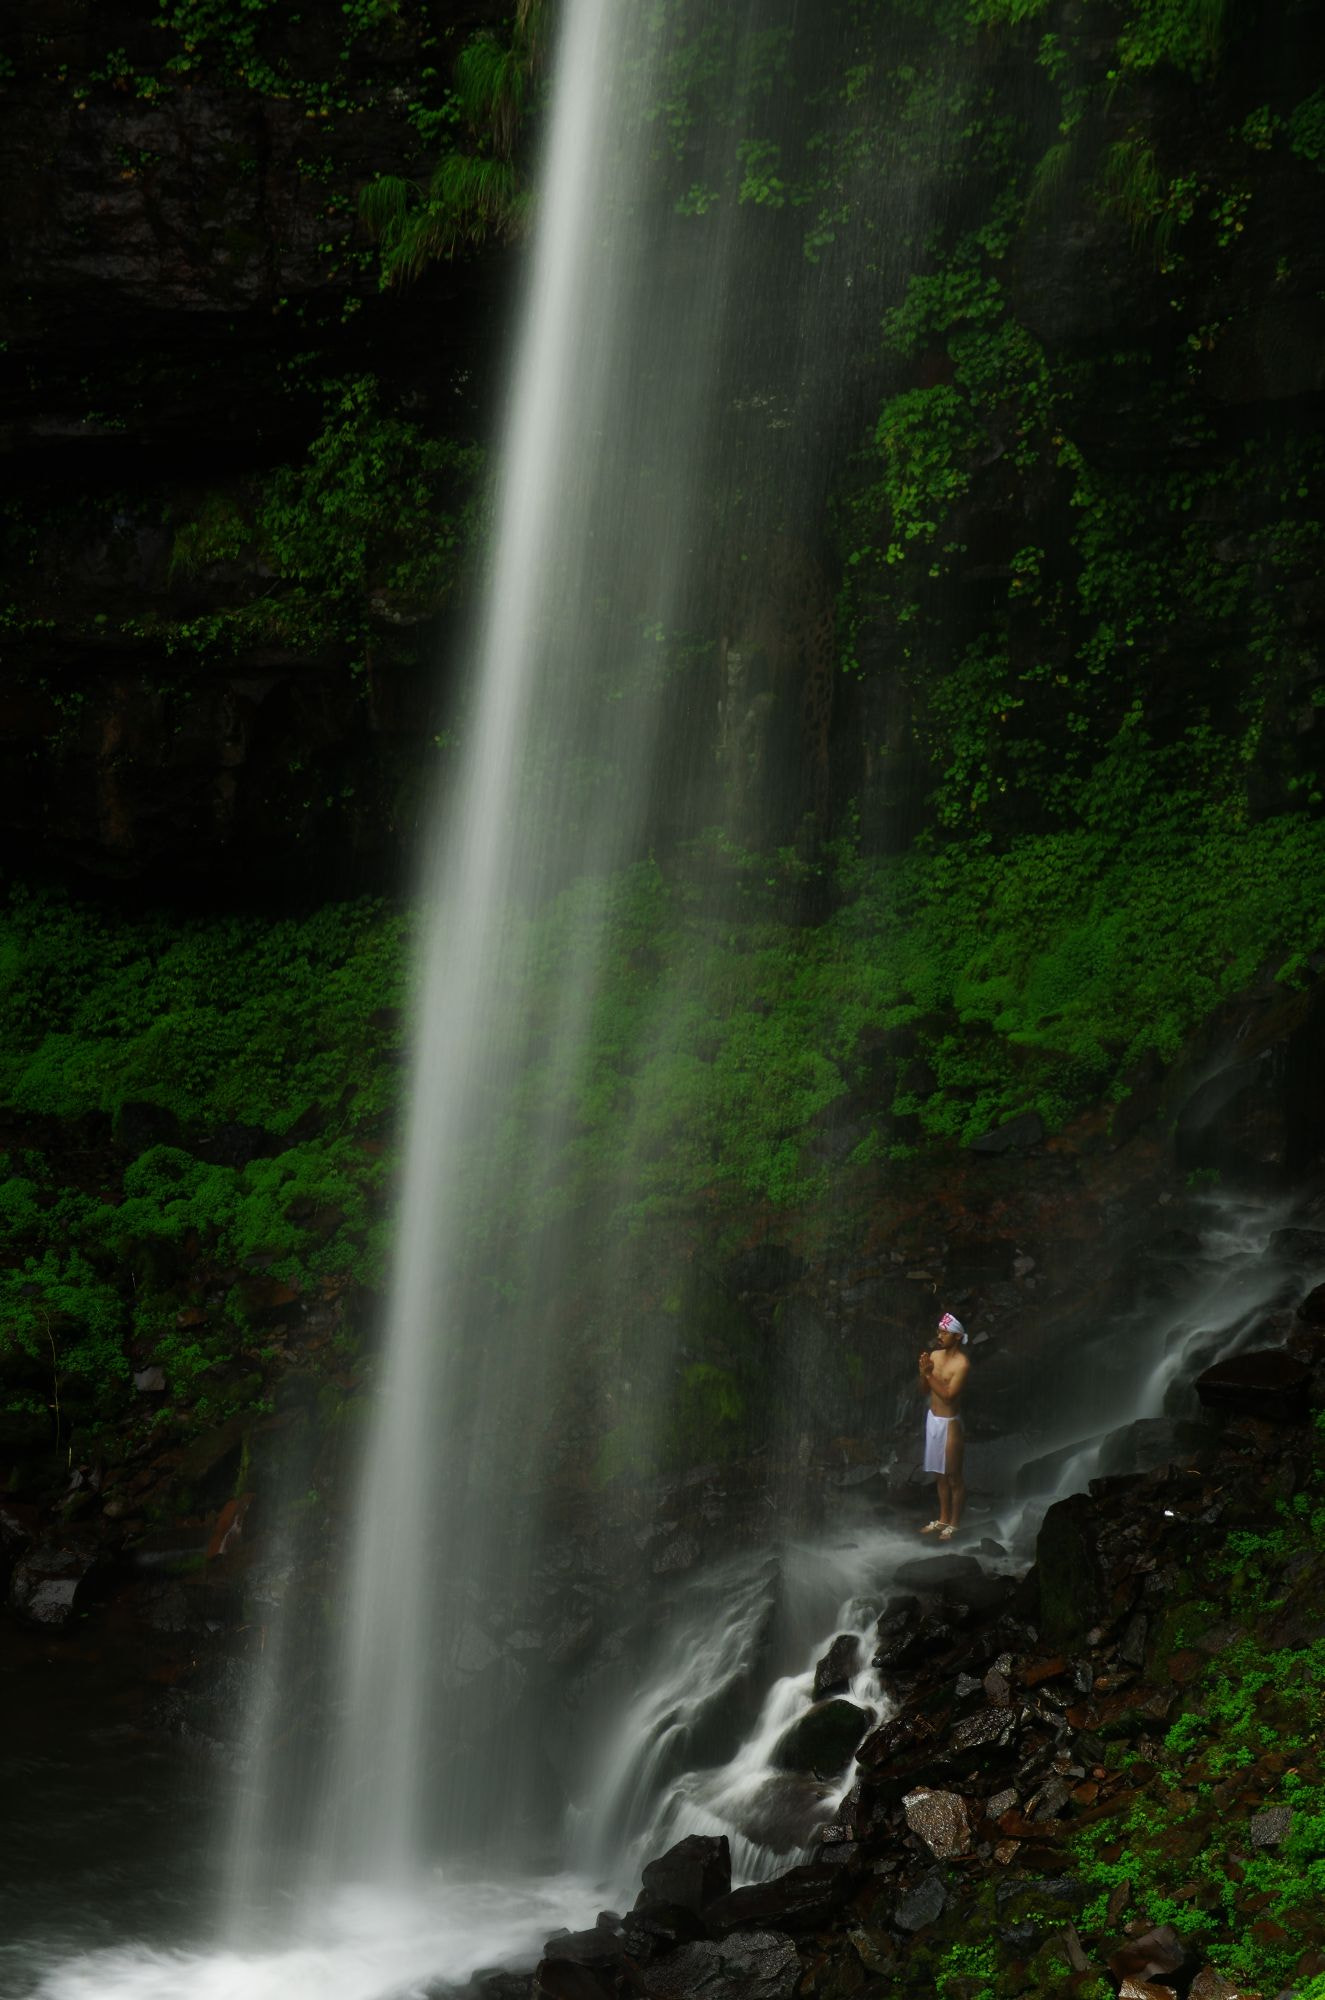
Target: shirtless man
(943,1376)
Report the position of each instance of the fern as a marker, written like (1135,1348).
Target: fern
(1047,180)
(475,196)
(1133,187)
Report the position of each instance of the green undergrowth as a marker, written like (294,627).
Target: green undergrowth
(145,1061)
(1248,1738)
(727,1043)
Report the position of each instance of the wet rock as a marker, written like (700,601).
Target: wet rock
(564,1979)
(833,1673)
(802,1899)
(1271,1827)
(1145,1989)
(690,1875)
(1299,1246)
(1312,1308)
(956,1579)
(983,1734)
(755,1965)
(1018,1135)
(1262,1382)
(1211,1985)
(1153,1955)
(942,1820)
(595,1947)
(922,1905)
(821,1742)
(1148,1443)
(1072,1597)
(150,1381)
(53,1580)
(647,1933)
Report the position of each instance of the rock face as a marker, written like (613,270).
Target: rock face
(183,269)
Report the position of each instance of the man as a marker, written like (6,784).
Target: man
(943,1376)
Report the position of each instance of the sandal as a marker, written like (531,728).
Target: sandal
(932,1528)
(946,1534)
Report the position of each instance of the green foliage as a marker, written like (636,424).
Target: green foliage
(1187,35)
(1306,129)
(221,1023)
(378,519)
(474,195)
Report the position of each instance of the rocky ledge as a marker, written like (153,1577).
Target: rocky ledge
(1098,1779)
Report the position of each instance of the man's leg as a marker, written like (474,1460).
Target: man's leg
(953,1482)
(945,1499)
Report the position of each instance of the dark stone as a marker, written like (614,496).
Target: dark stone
(922,1905)
(1299,1246)
(1153,1955)
(802,1899)
(821,1741)
(942,1820)
(1150,1442)
(690,1875)
(756,1965)
(1312,1308)
(595,1947)
(1018,1135)
(564,1979)
(1072,1597)
(660,1928)
(1262,1382)
(950,1577)
(1271,1827)
(53,1580)
(839,1663)
(988,1730)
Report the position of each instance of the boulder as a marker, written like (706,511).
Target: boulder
(821,1741)
(1150,1442)
(1298,1246)
(53,1580)
(1261,1382)
(647,1933)
(1153,1955)
(689,1876)
(1071,1588)
(1312,1308)
(755,1965)
(1271,1827)
(1018,1135)
(595,1947)
(802,1899)
(942,1819)
(923,1904)
(833,1673)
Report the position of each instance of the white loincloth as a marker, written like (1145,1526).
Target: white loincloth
(936,1441)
